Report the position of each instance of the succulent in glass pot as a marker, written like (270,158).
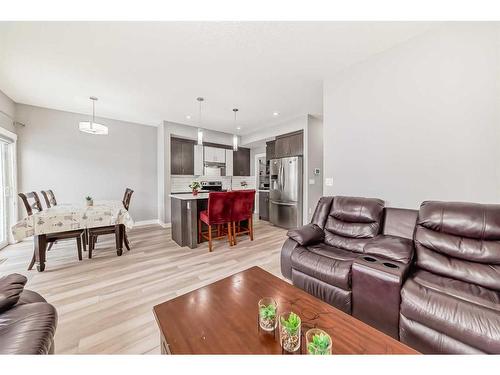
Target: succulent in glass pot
(318,342)
(267,314)
(289,328)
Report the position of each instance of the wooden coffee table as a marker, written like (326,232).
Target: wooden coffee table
(222,318)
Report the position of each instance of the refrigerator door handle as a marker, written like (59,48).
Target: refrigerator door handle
(283,204)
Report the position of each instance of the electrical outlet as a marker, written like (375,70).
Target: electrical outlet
(311,181)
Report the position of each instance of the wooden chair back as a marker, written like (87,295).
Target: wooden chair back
(31,202)
(50,198)
(127,197)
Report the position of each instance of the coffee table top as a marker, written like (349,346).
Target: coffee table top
(222,318)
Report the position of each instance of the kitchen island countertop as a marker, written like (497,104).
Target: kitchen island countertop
(189,197)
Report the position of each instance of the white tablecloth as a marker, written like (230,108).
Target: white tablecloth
(66,217)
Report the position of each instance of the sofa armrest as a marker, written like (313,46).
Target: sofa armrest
(309,234)
(11,287)
(286,257)
(393,248)
(376,292)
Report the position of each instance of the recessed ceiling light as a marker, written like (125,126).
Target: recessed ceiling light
(275,114)
(188,117)
(238,128)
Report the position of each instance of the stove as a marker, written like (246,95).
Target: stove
(211,185)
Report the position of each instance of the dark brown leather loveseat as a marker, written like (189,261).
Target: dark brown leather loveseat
(443,298)
(27,321)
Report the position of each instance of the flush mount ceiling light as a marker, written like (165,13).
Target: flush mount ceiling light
(92,127)
(276,114)
(188,117)
(200,130)
(235,137)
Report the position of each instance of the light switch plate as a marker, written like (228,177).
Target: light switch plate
(329,181)
(311,181)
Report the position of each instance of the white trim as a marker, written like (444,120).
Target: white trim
(257,187)
(151,222)
(9,134)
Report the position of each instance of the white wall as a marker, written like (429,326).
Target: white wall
(54,154)
(419,121)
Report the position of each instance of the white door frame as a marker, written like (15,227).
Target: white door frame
(12,193)
(256,172)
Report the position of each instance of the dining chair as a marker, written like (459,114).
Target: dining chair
(32,202)
(217,214)
(50,198)
(94,233)
(242,209)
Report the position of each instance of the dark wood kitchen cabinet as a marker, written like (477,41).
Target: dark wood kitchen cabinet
(289,145)
(241,162)
(264,205)
(181,156)
(270,150)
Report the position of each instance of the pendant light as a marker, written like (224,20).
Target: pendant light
(92,127)
(235,137)
(200,130)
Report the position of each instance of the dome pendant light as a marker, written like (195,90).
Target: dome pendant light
(200,130)
(235,137)
(92,127)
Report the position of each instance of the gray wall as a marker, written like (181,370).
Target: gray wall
(8,106)
(420,121)
(314,160)
(53,153)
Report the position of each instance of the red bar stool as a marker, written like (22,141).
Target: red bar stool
(243,203)
(218,213)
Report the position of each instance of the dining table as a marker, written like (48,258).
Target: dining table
(69,217)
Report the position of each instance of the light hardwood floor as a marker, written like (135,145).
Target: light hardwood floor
(105,303)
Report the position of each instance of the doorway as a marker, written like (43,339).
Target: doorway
(7,185)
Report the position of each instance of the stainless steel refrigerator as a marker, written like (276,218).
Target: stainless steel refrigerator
(285,193)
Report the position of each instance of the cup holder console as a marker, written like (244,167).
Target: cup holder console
(390,265)
(370,259)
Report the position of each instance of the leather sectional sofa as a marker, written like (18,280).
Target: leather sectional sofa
(27,321)
(430,278)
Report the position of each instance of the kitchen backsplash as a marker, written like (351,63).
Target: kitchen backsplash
(181,183)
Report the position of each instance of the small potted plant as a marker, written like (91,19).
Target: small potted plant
(267,314)
(195,186)
(290,324)
(318,342)
(89,200)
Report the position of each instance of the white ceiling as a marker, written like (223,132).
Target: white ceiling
(147,72)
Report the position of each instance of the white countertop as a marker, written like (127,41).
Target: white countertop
(189,197)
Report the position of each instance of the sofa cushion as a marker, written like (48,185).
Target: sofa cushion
(326,263)
(394,248)
(465,312)
(461,241)
(307,235)
(11,287)
(28,329)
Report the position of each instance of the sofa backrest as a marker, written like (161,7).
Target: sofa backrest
(460,241)
(352,222)
(399,222)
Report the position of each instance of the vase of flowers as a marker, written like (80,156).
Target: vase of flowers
(318,342)
(194,186)
(267,314)
(289,327)
(89,201)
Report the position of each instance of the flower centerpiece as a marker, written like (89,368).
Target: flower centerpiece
(318,342)
(89,200)
(290,324)
(195,186)
(267,314)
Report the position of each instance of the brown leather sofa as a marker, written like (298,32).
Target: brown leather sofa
(451,302)
(442,299)
(27,321)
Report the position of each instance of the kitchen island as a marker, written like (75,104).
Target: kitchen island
(184,212)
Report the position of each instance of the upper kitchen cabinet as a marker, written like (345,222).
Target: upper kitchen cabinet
(181,156)
(241,162)
(289,145)
(270,154)
(229,163)
(214,154)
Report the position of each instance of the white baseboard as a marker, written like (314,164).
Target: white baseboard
(151,222)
